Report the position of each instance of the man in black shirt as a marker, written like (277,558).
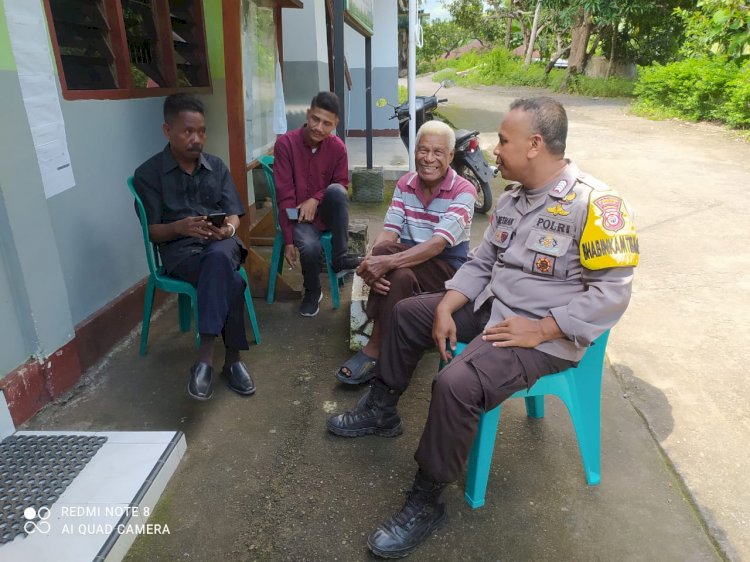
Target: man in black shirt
(180,187)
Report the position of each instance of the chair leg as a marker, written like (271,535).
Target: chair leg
(183,306)
(148,303)
(250,307)
(480,458)
(535,406)
(332,278)
(585,414)
(275,269)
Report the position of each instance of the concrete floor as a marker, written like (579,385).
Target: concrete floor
(262,480)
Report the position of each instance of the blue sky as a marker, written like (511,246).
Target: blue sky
(435,9)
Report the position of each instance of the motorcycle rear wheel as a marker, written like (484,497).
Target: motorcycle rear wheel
(483,201)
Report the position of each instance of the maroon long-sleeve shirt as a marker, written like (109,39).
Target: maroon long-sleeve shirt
(301,174)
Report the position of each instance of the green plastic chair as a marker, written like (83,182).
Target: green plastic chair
(187,298)
(277,255)
(579,388)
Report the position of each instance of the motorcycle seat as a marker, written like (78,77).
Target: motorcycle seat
(462,135)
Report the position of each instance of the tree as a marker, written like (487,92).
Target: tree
(470,16)
(440,38)
(717,27)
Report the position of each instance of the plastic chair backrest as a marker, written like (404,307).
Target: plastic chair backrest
(152,252)
(266,162)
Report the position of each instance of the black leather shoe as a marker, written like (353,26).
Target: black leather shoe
(374,414)
(199,386)
(346,263)
(239,379)
(420,516)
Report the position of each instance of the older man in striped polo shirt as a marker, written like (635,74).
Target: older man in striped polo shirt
(425,239)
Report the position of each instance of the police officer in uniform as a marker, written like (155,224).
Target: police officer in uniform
(552,273)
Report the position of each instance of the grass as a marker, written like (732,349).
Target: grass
(499,67)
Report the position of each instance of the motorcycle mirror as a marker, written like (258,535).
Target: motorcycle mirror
(381,102)
(447,84)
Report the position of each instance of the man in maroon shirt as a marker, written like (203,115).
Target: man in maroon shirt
(311,172)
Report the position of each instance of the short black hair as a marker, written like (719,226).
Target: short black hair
(548,118)
(176,103)
(326,100)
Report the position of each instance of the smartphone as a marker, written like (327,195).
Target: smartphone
(217,219)
(292,213)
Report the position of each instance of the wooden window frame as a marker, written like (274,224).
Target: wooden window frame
(119,44)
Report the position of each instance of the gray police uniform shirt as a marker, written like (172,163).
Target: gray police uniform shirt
(529,264)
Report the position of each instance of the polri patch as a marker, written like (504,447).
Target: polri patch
(547,244)
(544,264)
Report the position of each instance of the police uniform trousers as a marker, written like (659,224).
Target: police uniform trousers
(478,379)
(214,273)
(406,282)
(334,212)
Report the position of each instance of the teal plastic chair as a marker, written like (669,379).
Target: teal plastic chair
(580,389)
(277,255)
(187,299)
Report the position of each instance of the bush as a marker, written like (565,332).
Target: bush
(499,67)
(736,108)
(601,87)
(693,89)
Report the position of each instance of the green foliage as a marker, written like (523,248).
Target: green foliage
(403,94)
(440,37)
(717,27)
(613,87)
(693,88)
(470,16)
(707,88)
(737,105)
(499,67)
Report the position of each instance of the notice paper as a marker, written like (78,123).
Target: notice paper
(30,42)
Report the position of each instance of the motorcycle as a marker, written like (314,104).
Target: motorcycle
(468,160)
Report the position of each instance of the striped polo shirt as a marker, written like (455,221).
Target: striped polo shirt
(448,215)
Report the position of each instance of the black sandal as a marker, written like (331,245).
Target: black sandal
(361,367)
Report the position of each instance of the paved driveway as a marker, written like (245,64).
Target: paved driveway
(682,348)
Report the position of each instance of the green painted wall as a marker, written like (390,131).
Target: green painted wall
(214,37)
(7,62)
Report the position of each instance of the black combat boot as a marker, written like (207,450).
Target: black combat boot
(419,517)
(374,414)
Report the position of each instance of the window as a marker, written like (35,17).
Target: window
(118,49)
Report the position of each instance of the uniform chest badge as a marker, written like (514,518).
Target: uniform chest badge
(544,265)
(547,244)
(559,208)
(611,209)
(502,237)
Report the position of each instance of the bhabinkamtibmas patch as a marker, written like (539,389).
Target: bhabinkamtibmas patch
(609,238)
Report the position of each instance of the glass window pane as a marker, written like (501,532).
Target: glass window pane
(259,75)
(187,39)
(146,64)
(82,35)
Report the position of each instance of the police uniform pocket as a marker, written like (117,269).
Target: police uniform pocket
(547,254)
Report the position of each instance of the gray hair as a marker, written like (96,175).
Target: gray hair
(548,118)
(438,128)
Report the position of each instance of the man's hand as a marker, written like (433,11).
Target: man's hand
(517,331)
(381,286)
(373,268)
(307,210)
(196,227)
(221,233)
(290,255)
(444,330)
